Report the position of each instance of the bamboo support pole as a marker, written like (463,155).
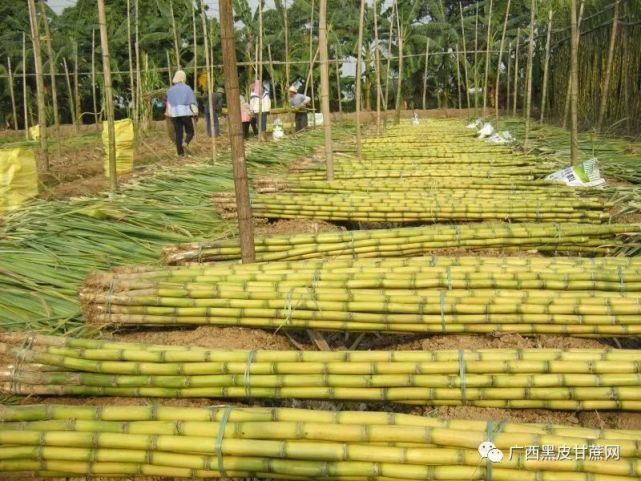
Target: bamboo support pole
(458,78)
(377,61)
(93,79)
(228,46)
(566,110)
(515,86)
(399,82)
(605,89)
(574,84)
(358,75)
(132,84)
(72,107)
(546,67)
(52,66)
(25,98)
(427,56)
(195,35)
(76,88)
(339,91)
(487,59)
(389,63)
(528,82)
(175,34)
(210,88)
(499,63)
(106,67)
(467,82)
(139,97)
(14,111)
(476,65)
(324,66)
(37,57)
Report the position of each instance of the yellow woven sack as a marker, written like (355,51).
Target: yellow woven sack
(18,177)
(34,132)
(124,146)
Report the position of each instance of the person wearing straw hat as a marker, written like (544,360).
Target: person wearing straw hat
(182,106)
(299,104)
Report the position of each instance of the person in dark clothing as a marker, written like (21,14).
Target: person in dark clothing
(217,100)
(181,107)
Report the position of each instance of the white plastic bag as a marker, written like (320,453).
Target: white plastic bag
(585,174)
(486,131)
(474,124)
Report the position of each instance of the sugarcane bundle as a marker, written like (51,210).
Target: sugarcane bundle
(573,296)
(525,173)
(515,185)
(286,443)
(413,241)
(523,378)
(438,206)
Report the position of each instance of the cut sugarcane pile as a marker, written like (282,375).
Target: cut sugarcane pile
(437,206)
(436,172)
(573,379)
(573,296)
(226,441)
(412,241)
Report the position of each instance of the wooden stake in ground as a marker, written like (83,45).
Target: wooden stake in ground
(109,102)
(546,66)
(93,78)
(515,87)
(168,66)
(498,65)
(210,82)
(25,99)
(42,116)
(377,60)
(487,59)
(427,56)
(359,48)
(243,206)
(574,86)
(399,83)
(528,87)
(605,89)
(286,22)
(52,65)
(467,81)
(13,95)
(324,78)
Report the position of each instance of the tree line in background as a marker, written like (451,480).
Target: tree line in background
(432,53)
